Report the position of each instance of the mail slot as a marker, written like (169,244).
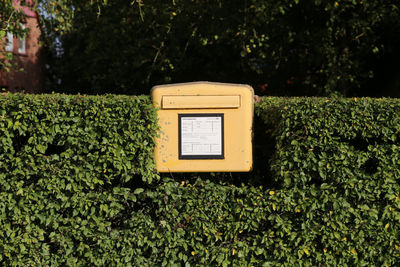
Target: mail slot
(204,127)
(216,101)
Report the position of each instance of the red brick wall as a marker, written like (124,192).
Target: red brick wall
(31,79)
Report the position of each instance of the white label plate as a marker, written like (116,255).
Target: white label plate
(201,135)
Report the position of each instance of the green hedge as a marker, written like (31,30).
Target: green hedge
(336,164)
(67,164)
(78,187)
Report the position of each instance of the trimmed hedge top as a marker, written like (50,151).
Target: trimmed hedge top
(60,135)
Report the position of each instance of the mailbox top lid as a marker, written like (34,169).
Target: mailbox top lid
(201,88)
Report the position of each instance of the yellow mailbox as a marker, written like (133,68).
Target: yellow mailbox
(204,127)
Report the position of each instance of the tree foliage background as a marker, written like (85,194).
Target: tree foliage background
(282,47)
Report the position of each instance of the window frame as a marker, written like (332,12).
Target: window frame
(22,48)
(10,42)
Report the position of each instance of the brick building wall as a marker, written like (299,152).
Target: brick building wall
(31,79)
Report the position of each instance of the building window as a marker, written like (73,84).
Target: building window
(22,42)
(10,42)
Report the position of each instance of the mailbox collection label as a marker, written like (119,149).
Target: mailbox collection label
(201,136)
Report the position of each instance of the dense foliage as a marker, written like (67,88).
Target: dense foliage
(66,165)
(282,47)
(78,187)
(336,163)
